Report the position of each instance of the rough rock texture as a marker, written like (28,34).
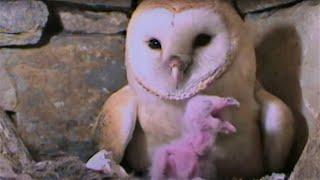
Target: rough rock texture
(77,21)
(308,166)
(287,46)
(61,88)
(102,4)
(66,167)
(247,6)
(8,98)
(14,156)
(6,168)
(21,21)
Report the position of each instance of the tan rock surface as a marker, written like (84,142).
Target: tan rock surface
(61,88)
(77,21)
(6,169)
(13,154)
(8,97)
(308,166)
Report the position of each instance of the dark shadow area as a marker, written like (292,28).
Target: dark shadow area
(278,63)
(94,7)
(135,4)
(13,116)
(53,26)
(136,153)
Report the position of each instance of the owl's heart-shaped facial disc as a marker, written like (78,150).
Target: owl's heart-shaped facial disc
(174,55)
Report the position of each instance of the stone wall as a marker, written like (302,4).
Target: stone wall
(61,59)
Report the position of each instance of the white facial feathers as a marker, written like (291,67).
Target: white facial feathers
(197,38)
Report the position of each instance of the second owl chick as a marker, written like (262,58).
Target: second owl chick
(189,156)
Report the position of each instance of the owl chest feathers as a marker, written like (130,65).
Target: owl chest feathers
(161,123)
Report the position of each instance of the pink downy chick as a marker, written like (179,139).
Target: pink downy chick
(188,157)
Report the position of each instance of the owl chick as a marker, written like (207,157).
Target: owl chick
(175,50)
(189,156)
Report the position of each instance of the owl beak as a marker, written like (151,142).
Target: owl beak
(176,71)
(176,76)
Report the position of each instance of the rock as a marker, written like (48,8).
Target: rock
(24,177)
(66,167)
(308,166)
(8,97)
(21,22)
(287,48)
(61,88)
(248,6)
(6,169)
(77,21)
(13,153)
(101,4)
(11,145)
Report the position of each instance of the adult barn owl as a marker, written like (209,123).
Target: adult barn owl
(177,49)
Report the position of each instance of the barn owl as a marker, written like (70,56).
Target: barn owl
(176,49)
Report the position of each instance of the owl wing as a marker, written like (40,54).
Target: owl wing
(277,125)
(116,122)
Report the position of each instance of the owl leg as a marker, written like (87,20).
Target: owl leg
(277,125)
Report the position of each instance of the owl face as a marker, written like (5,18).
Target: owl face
(174,55)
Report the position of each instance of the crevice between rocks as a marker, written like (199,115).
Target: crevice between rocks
(81,33)
(93,8)
(54,26)
(273,8)
(12,116)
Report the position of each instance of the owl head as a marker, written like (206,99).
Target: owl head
(176,48)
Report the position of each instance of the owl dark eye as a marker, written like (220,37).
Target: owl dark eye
(202,40)
(154,44)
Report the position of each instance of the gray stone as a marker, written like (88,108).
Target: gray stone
(61,88)
(107,4)
(308,166)
(65,167)
(77,21)
(8,98)
(21,21)
(13,153)
(288,54)
(6,169)
(247,6)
